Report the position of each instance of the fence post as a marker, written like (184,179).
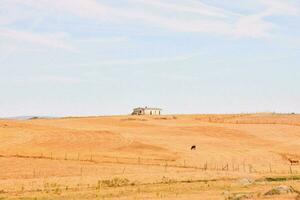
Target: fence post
(225,167)
(270,167)
(250,168)
(166,165)
(291,171)
(205,166)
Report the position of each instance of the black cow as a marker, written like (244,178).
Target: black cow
(193,147)
(293,161)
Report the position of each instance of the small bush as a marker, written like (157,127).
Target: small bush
(280,179)
(167,180)
(240,197)
(115,182)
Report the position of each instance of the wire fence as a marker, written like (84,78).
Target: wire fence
(166,164)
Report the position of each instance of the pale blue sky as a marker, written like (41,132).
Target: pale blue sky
(102,57)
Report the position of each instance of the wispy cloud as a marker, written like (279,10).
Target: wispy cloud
(206,19)
(142,61)
(189,6)
(255,25)
(186,16)
(82,8)
(104,40)
(54,40)
(280,7)
(252,26)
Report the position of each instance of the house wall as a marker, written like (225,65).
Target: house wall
(142,111)
(153,112)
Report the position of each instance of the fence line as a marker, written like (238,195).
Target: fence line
(212,166)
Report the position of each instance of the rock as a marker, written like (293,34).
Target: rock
(226,193)
(282,189)
(245,181)
(241,197)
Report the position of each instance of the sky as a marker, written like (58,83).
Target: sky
(105,57)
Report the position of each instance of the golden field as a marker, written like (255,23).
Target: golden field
(150,157)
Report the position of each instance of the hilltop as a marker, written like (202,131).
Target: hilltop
(145,149)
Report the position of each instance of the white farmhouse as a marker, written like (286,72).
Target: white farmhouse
(146,111)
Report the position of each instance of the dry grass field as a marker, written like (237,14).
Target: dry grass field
(241,156)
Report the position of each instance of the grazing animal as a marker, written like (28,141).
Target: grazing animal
(293,162)
(193,147)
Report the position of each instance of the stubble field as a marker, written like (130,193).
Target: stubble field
(149,157)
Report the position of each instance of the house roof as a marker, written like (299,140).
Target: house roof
(147,108)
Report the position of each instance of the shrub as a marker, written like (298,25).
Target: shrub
(115,182)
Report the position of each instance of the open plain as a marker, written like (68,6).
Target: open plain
(238,156)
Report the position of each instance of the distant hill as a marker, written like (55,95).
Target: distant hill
(27,117)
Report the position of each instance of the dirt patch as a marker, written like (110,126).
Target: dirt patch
(141,147)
